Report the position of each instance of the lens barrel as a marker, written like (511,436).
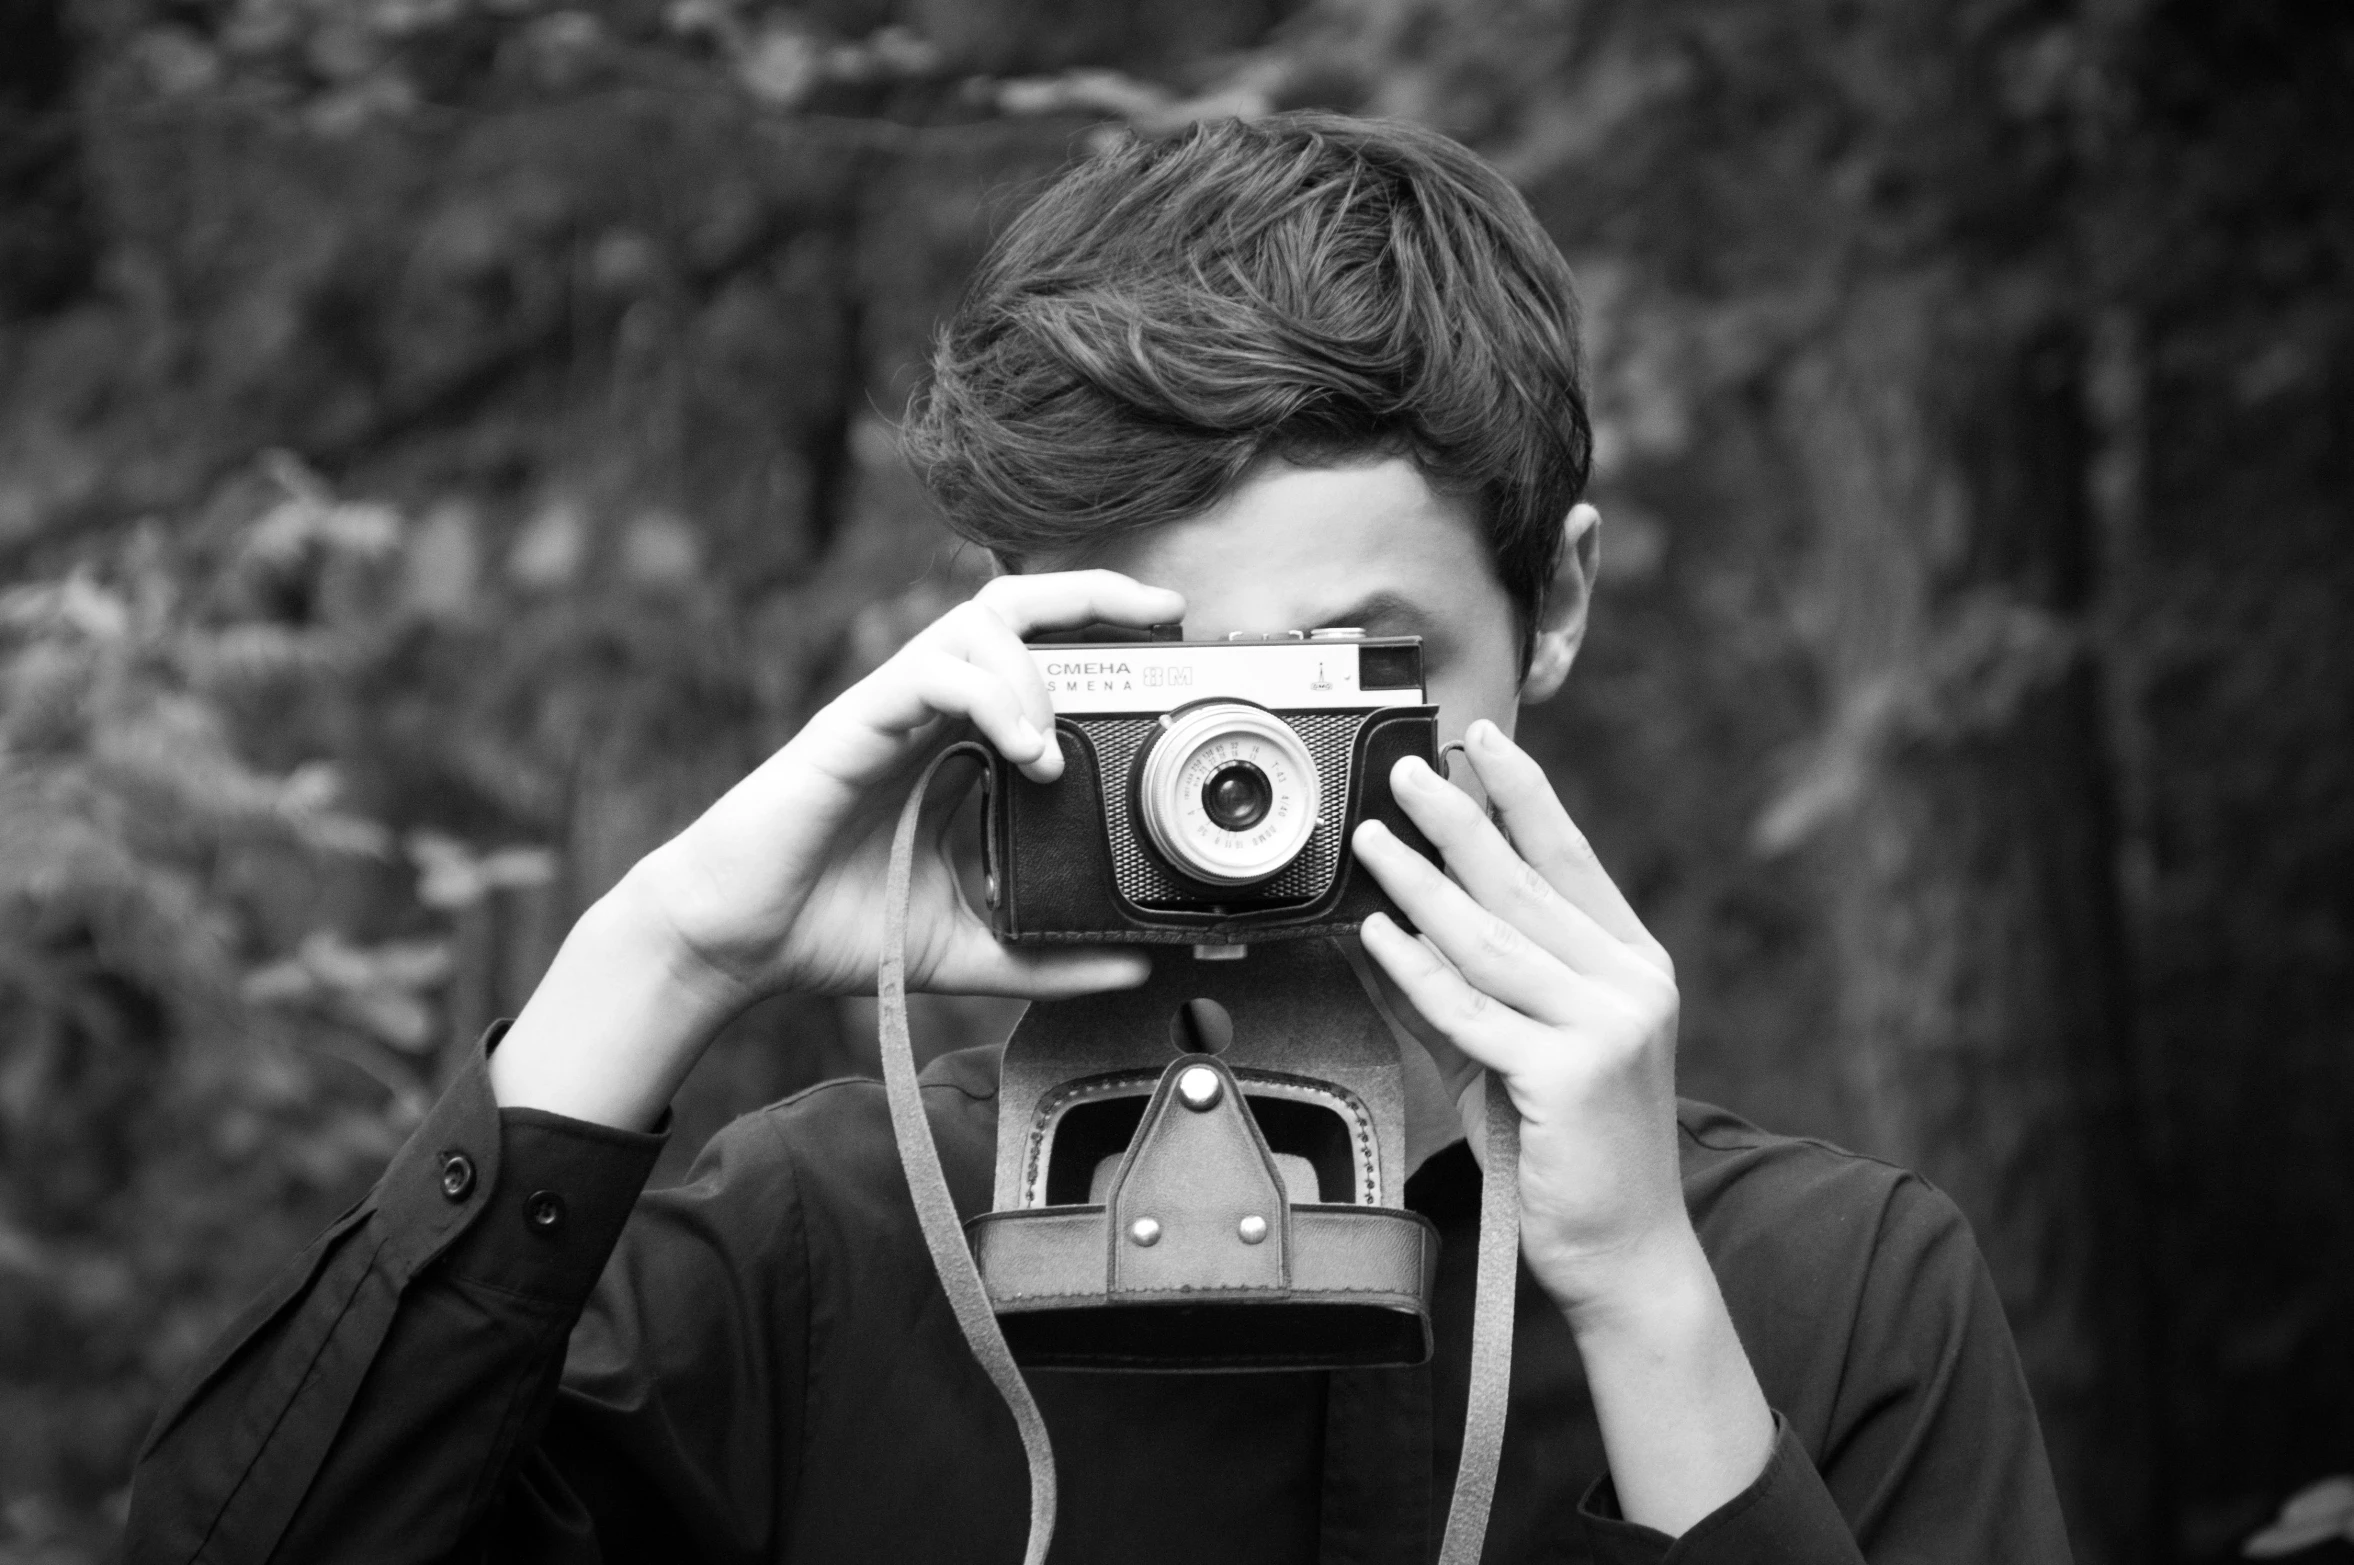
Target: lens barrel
(1228,793)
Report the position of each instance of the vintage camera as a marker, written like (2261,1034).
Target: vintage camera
(1209,788)
(1207,1172)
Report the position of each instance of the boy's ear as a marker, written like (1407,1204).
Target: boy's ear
(1562,629)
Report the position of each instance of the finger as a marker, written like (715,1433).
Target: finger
(975,633)
(1454,1066)
(1060,599)
(1549,840)
(978,963)
(934,683)
(1497,877)
(1490,953)
(1475,1022)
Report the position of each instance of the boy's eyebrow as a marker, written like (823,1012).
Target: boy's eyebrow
(1384,608)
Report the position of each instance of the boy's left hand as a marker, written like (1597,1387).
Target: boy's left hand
(1532,964)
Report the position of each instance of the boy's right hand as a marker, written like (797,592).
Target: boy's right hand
(779,885)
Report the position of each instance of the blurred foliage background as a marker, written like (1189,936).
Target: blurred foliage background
(443,442)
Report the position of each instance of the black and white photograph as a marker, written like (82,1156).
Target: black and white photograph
(1176,782)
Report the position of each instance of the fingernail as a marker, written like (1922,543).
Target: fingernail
(1029,735)
(1487,735)
(1419,774)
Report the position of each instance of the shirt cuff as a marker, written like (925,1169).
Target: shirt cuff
(1784,1517)
(521,1200)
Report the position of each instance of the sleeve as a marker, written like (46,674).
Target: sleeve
(1930,1450)
(380,1391)
(1785,1517)
(677,1430)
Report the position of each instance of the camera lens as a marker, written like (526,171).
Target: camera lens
(1228,793)
(1237,798)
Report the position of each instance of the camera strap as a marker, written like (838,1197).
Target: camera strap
(935,1210)
(968,1298)
(1491,1327)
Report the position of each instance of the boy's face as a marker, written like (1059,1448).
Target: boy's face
(1369,544)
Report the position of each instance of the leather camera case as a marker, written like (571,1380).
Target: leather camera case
(1049,847)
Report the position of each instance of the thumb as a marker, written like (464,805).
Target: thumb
(1471,1108)
(976,962)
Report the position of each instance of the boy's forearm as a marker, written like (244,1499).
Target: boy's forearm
(1684,1423)
(620,1018)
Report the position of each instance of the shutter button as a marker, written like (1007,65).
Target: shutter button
(544,1211)
(457,1176)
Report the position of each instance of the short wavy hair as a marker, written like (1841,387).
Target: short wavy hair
(1174,312)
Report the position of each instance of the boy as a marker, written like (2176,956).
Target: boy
(1257,377)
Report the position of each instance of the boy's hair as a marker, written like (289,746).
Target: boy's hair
(1310,287)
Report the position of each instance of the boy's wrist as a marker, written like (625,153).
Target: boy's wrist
(621,1016)
(1685,1425)
(634,924)
(1642,1292)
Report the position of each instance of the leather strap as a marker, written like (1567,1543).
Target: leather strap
(1491,1327)
(960,1277)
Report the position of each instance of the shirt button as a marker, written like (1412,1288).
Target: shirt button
(544,1211)
(457,1175)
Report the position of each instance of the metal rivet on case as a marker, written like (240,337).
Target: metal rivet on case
(1145,1232)
(1199,1086)
(1252,1229)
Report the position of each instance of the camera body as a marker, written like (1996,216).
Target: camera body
(1206,1171)
(1209,789)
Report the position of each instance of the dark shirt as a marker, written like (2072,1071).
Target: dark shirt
(507,1353)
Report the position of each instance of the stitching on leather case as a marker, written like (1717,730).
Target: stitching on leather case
(1175,937)
(1050,1110)
(1351,1108)
(1295,1294)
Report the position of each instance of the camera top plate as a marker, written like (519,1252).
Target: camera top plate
(1295,674)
